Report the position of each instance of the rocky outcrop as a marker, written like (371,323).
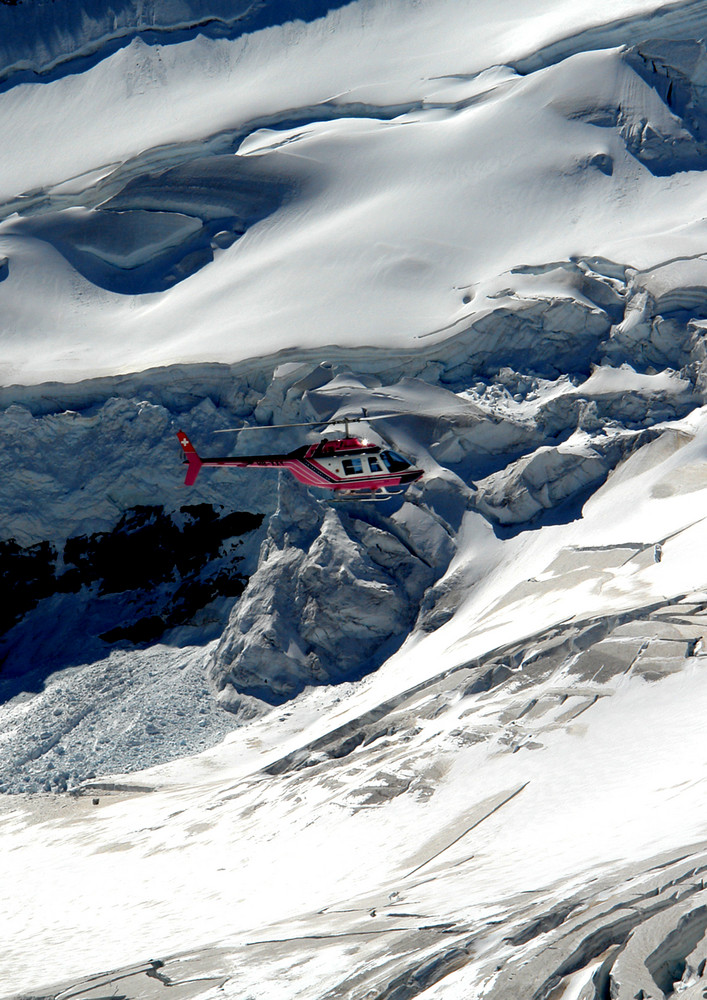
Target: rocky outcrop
(333,595)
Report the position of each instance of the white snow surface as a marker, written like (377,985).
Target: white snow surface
(464,750)
(376,247)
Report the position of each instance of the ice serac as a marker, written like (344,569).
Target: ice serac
(664,320)
(677,71)
(332,597)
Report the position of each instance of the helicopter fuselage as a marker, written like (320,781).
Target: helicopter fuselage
(341,464)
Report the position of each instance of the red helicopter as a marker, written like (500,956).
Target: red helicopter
(352,468)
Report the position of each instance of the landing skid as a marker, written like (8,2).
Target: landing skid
(361,496)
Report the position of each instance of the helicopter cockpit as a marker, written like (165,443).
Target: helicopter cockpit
(393,461)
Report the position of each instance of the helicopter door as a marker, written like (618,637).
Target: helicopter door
(374,464)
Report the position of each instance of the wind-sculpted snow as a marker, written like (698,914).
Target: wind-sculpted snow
(223,217)
(158,230)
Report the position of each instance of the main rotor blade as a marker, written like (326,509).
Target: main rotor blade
(374,416)
(272,427)
(357,418)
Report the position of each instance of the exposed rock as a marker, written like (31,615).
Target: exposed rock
(333,595)
(27,575)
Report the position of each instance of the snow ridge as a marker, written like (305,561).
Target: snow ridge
(42,40)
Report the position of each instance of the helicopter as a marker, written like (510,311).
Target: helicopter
(351,467)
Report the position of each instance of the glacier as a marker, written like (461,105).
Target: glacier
(254,744)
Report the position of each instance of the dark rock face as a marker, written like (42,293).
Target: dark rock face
(148,541)
(27,575)
(152,572)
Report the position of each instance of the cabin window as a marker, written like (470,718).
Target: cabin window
(374,464)
(394,462)
(352,466)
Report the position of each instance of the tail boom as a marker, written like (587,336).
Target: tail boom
(196,462)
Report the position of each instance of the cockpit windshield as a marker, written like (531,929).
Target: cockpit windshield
(394,462)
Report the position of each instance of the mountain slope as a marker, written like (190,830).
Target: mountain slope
(257,745)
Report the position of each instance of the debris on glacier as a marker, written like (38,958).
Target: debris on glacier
(123,713)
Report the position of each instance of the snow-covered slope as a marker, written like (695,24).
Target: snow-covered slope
(443,187)
(257,745)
